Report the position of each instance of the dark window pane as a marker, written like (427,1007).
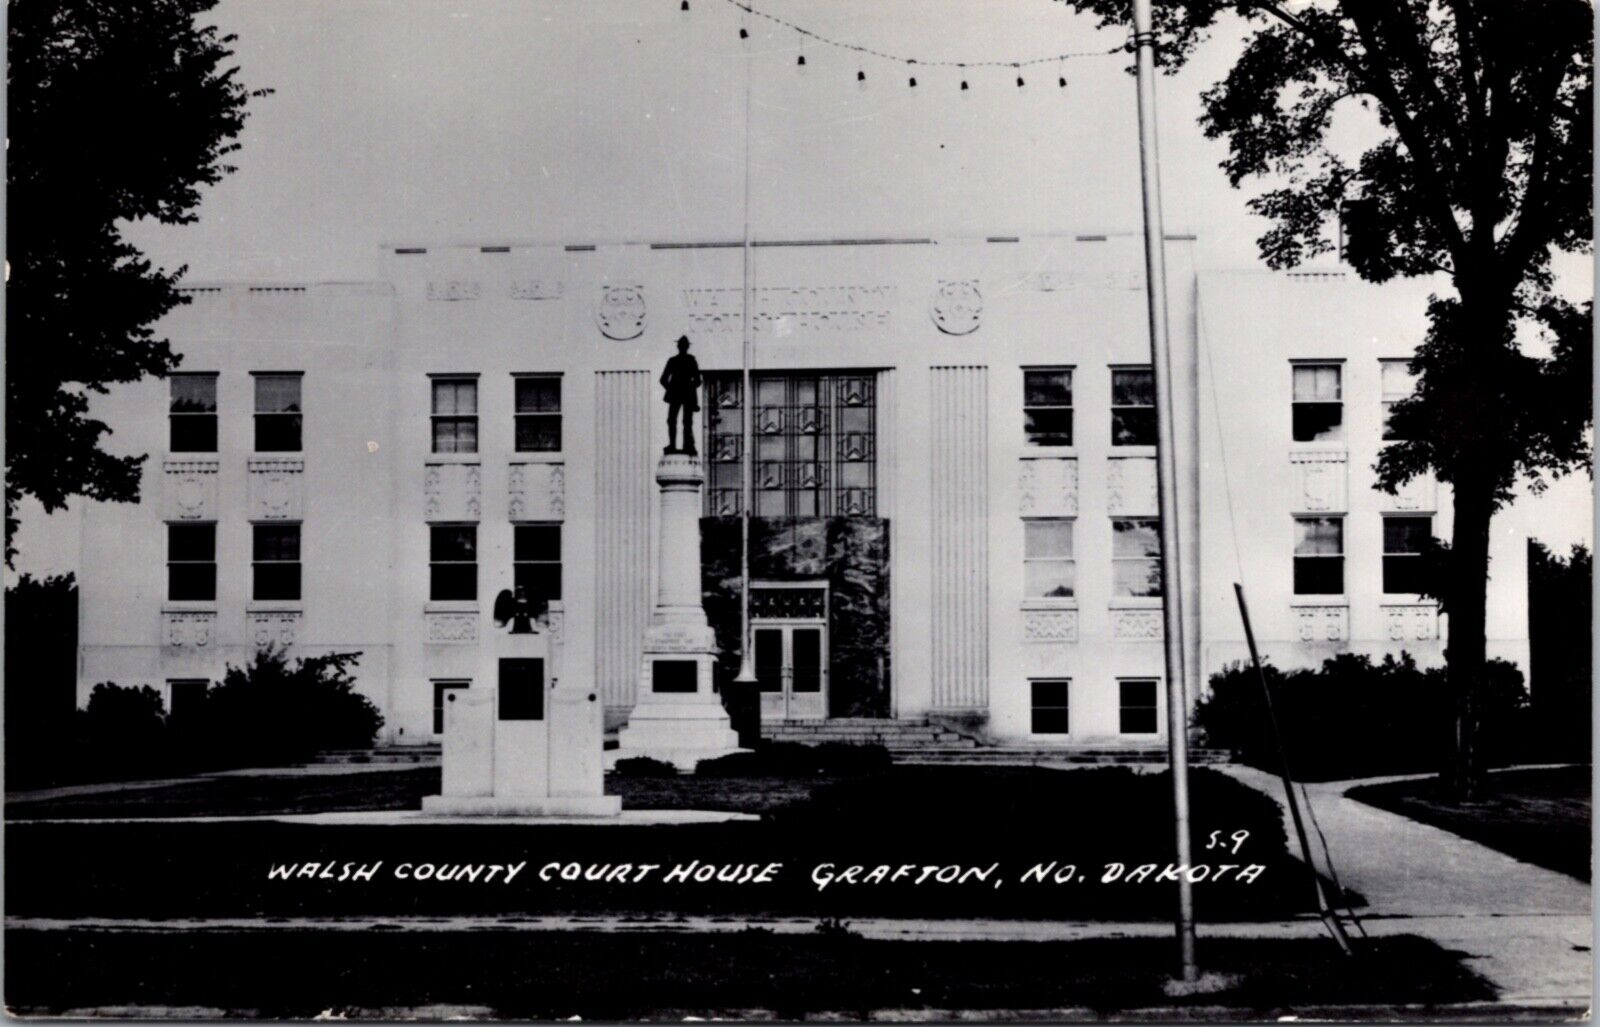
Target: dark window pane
(537,542)
(1318,575)
(277,581)
(275,542)
(455,435)
(1139,578)
(1318,421)
(1049,721)
(1133,426)
(1047,388)
(1133,387)
(1049,426)
(277,394)
(1137,693)
(1135,538)
(194,433)
(453,581)
(278,433)
(1403,535)
(191,542)
(192,581)
(807,643)
(1403,574)
(538,395)
(453,542)
(1319,536)
(1050,693)
(769,659)
(1138,721)
(541,581)
(521,691)
(194,393)
(538,433)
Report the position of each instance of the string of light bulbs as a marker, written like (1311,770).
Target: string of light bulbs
(912,62)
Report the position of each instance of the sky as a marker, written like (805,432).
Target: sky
(440,121)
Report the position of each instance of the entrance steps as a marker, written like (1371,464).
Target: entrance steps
(919,741)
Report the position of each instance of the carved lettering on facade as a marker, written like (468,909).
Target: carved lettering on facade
(536,289)
(1049,487)
(784,310)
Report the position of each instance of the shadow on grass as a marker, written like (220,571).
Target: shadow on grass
(598,976)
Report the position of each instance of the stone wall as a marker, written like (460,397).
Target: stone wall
(852,555)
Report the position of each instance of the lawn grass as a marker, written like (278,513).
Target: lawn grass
(1538,816)
(550,976)
(1009,817)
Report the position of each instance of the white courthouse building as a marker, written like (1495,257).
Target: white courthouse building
(954,502)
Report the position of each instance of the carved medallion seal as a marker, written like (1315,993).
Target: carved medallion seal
(956,307)
(621,312)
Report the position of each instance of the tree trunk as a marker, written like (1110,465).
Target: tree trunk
(1466,608)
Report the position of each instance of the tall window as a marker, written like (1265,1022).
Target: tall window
(1318,556)
(815,440)
(1136,557)
(1397,383)
(536,550)
(1137,713)
(275,556)
(1049,705)
(538,400)
(193,417)
(1048,568)
(453,562)
(455,415)
(1133,406)
(1405,540)
(278,413)
(1318,413)
(192,561)
(1047,406)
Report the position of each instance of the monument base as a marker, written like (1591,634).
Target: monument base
(682,734)
(522,805)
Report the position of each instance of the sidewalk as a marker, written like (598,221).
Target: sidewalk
(1526,929)
(296,770)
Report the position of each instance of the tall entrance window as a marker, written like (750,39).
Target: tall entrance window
(789,629)
(815,441)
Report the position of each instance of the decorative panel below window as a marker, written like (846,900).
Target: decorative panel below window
(815,444)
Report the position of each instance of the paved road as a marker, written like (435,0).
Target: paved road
(1526,929)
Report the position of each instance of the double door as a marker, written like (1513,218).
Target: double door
(791,664)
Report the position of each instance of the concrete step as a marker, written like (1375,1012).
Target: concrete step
(388,754)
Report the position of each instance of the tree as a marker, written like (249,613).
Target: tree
(269,712)
(1481,169)
(117,112)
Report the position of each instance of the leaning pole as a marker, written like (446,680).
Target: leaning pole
(1166,471)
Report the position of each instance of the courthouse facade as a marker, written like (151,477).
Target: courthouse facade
(953,507)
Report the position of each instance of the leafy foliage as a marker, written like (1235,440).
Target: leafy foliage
(269,712)
(1479,167)
(117,112)
(1353,717)
(41,674)
(1561,643)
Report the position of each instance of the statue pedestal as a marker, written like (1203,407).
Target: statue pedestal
(678,717)
(516,746)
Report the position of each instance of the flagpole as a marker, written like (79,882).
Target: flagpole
(1166,472)
(746,673)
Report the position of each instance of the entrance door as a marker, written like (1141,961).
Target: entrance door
(791,670)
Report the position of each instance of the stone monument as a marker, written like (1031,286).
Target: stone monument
(516,744)
(678,717)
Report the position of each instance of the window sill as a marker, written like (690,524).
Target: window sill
(1319,600)
(189,606)
(281,454)
(450,606)
(454,458)
(208,457)
(1130,451)
(275,606)
(1046,603)
(1135,603)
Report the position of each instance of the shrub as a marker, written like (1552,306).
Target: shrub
(792,759)
(644,766)
(270,713)
(1355,718)
(122,733)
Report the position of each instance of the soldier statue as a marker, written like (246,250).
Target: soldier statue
(681,380)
